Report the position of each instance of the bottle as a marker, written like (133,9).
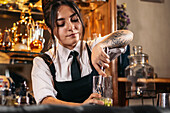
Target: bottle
(3,3)
(36,44)
(21,34)
(7,42)
(30,26)
(1,85)
(13,94)
(12,33)
(6,95)
(42,27)
(23,98)
(11,5)
(7,89)
(21,38)
(139,68)
(1,39)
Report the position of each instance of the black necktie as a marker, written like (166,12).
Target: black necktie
(75,67)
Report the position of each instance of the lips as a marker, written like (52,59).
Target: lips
(72,35)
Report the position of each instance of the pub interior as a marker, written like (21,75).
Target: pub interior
(24,35)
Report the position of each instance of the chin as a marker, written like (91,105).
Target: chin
(75,42)
(76,39)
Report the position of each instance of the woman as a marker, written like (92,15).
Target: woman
(54,81)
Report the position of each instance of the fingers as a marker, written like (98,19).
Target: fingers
(104,54)
(95,99)
(103,64)
(99,70)
(104,60)
(100,59)
(94,95)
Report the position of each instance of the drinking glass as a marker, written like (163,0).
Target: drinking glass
(103,85)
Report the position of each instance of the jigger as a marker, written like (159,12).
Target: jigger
(163,100)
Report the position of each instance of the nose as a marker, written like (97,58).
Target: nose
(70,26)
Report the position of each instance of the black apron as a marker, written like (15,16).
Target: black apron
(72,91)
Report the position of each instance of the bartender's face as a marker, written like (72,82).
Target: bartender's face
(68,27)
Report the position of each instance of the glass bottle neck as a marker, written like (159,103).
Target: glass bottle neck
(141,60)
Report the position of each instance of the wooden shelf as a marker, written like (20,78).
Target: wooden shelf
(21,56)
(11,53)
(156,80)
(19,11)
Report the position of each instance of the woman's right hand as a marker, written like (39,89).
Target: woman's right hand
(94,99)
(100,59)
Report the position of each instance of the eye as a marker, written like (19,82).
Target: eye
(74,19)
(60,23)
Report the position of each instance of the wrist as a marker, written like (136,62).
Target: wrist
(101,45)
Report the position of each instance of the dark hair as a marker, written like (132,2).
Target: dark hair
(50,8)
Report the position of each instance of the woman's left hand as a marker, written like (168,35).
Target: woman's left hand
(100,59)
(94,98)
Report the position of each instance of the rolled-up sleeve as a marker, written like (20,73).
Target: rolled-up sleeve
(42,81)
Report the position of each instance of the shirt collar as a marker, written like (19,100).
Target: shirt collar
(64,53)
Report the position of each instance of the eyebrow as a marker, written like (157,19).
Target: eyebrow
(63,18)
(73,14)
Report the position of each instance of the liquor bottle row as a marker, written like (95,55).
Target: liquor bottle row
(9,4)
(25,35)
(12,96)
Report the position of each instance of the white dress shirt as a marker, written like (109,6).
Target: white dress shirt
(42,81)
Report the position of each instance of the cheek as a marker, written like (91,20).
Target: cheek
(79,27)
(59,32)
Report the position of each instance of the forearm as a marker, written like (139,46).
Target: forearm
(120,38)
(52,100)
(116,40)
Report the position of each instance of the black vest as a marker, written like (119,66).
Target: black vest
(72,91)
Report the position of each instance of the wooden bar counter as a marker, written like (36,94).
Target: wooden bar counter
(162,86)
